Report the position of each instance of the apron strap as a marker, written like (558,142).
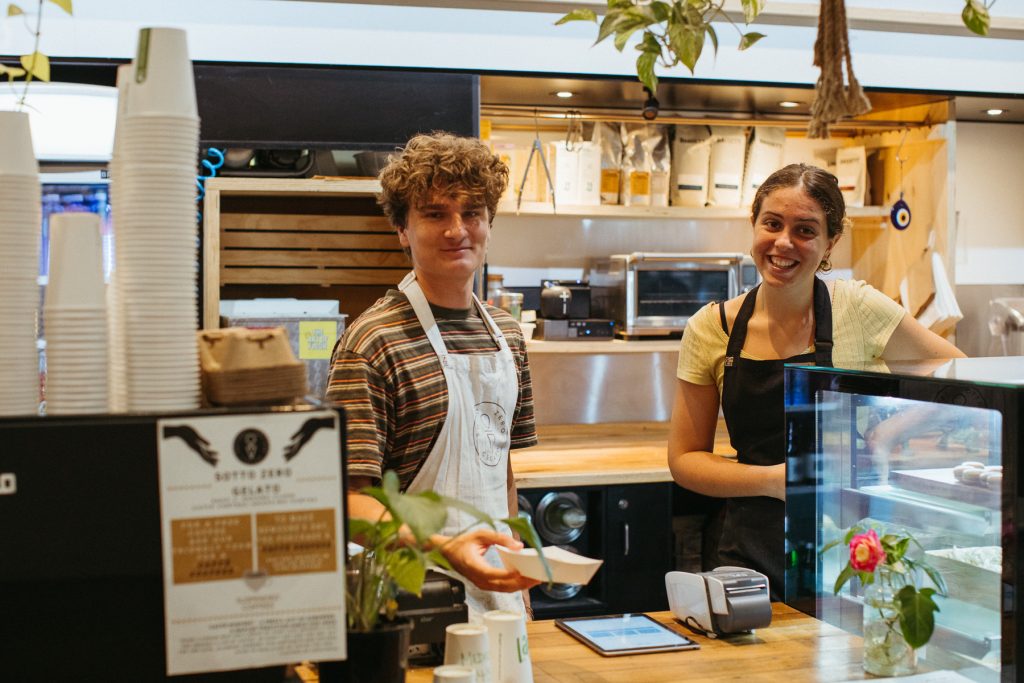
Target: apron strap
(822,325)
(739,327)
(419,304)
(497,336)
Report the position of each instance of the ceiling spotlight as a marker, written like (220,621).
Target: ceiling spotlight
(565,94)
(651,105)
(789,104)
(995,112)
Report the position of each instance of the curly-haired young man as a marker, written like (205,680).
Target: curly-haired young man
(435,384)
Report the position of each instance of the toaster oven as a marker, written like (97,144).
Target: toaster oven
(654,294)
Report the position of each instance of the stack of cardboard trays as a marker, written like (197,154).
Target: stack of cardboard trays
(250,367)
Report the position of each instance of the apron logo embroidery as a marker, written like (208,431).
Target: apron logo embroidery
(490,432)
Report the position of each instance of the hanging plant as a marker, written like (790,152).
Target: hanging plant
(675,32)
(975,15)
(35,65)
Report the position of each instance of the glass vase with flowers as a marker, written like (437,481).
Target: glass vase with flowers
(899,615)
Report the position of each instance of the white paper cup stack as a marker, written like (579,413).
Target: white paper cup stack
(116,347)
(75,315)
(467,645)
(20,227)
(155,230)
(510,651)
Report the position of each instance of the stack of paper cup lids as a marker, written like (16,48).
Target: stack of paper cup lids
(20,227)
(75,317)
(155,229)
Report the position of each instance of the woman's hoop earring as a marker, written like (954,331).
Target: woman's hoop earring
(825,265)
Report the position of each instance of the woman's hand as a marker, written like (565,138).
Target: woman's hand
(466,555)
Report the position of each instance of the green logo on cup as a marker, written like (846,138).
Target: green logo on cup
(522,649)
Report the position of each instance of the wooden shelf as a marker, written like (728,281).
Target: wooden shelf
(508,208)
(367,187)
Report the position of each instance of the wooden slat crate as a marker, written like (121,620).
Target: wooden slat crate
(299,233)
(309,249)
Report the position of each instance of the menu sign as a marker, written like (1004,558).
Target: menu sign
(252,534)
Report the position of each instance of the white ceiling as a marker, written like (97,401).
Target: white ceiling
(462,35)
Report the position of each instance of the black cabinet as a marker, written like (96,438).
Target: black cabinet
(628,526)
(637,546)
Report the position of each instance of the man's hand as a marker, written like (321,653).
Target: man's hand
(466,555)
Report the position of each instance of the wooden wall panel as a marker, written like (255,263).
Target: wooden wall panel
(312,276)
(291,239)
(250,221)
(881,254)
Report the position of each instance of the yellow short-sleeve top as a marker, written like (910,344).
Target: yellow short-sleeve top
(863,319)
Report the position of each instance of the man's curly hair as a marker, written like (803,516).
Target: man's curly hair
(440,163)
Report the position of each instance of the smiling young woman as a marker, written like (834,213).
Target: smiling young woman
(732,356)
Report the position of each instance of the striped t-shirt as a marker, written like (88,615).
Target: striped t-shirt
(389,380)
(863,319)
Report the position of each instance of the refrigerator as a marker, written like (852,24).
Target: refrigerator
(883,443)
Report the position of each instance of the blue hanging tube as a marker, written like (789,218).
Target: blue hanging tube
(209,170)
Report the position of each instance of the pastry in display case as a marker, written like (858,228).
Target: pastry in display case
(925,448)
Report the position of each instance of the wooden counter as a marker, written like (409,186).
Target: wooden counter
(537,346)
(794,648)
(596,455)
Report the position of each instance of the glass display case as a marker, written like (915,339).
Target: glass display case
(929,448)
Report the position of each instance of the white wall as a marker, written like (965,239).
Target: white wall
(989,204)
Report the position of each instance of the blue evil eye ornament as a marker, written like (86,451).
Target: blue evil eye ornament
(900,214)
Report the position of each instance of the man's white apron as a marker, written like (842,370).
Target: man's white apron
(469,460)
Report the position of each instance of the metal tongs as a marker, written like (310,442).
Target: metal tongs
(574,133)
(537,148)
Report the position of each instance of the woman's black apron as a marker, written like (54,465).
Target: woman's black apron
(753,403)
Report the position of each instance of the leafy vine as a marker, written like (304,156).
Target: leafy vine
(675,31)
(35,65)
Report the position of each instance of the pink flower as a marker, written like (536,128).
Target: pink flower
(866,551)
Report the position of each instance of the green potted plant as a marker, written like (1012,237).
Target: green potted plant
(899,615)
(396,555)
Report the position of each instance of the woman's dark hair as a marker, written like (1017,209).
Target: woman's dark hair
(822,186)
